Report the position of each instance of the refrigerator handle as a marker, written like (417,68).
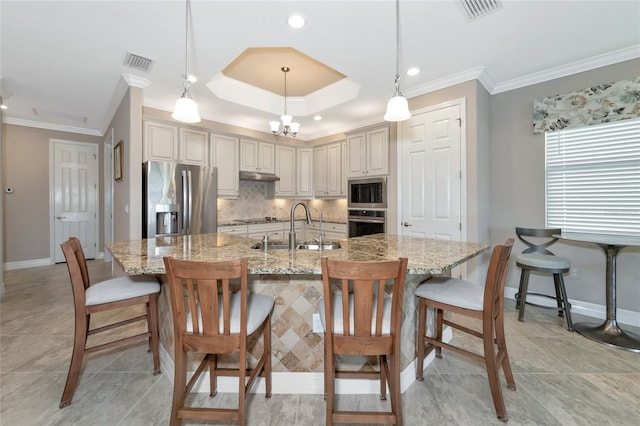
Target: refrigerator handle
(185,205)
(190,195)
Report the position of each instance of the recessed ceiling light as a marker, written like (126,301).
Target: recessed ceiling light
(413,71)
(296,21)
(317,118)
(3,106)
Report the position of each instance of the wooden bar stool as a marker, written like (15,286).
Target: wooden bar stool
(537,258)
(485,303)
(358,319)
(210,319)
(103,296)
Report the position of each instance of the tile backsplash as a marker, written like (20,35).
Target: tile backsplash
(253,202)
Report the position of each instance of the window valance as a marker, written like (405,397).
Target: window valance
(594,105)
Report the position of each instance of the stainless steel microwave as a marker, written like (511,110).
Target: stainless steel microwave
(368,193)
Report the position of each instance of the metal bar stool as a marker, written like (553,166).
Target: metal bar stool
(537,258)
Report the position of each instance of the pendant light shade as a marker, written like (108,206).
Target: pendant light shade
(397,107)
(186,110)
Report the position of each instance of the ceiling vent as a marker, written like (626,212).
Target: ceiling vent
(138,62)
(477,8)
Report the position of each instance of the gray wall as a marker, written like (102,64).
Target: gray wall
(517,187)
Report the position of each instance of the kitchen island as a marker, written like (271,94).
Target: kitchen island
(293,279)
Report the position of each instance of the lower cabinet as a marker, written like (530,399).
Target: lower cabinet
(332,231)
(234,229)
(276,231)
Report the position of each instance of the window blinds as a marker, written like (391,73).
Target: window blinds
(593,178)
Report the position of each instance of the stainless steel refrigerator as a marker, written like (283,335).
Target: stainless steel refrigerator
(179,199)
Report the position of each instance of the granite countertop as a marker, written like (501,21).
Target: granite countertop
(256,221)
(426,256)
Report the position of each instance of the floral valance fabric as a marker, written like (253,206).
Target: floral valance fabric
(598,104)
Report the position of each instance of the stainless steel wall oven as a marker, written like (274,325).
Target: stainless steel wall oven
(366,222)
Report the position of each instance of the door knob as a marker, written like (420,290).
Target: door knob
(61,217)
(406,224)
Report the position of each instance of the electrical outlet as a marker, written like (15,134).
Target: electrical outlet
(573,273)
(317,324)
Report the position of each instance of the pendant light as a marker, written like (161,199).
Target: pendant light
(397,107)
(186,109)
(288,128)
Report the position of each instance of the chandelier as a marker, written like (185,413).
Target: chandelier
(186,110)
(288,128)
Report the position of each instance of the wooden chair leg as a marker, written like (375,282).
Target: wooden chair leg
(179,385)
(394,386)
(213,377)
(422,329)
(152,324)
(524,285)
(329,383)
(439,327)
(79,343)
(502,349)
(242,385)
(267,351)
(492,372)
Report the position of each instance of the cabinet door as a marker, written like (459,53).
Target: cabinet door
(286,171)
(356,147)
(266,157)
(320,168)
(249,155)
(333,169)
(160,142)
(224,156)
(193,147)
(304,172)
(234,229)
(377,150)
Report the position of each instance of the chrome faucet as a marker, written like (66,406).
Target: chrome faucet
(292,229)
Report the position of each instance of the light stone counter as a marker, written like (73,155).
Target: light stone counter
(294,280)
(426,256)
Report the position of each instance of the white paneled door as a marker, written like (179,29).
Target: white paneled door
(74,186)
(431,174)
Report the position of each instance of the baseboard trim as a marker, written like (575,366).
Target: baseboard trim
(593,310)
(8,266)
(300,383)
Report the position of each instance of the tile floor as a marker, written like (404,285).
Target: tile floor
(562,378)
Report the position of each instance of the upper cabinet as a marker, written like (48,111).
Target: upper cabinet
(193,147)
(304,172)
(224,156)
(160,142)
(368,153)
(286,171)
(328,170)
(257,156)
(164,142)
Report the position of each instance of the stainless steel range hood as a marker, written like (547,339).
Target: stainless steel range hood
(264,177)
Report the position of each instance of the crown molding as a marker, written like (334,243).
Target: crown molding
(621,55)
(50,126)
(136,81)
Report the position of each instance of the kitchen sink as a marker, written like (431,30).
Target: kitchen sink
(271,245)
(306,245)
(314,245)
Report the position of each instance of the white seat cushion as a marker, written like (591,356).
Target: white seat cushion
(452,291)
(121,288)
(258,309)
(338,321)
(539,260)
